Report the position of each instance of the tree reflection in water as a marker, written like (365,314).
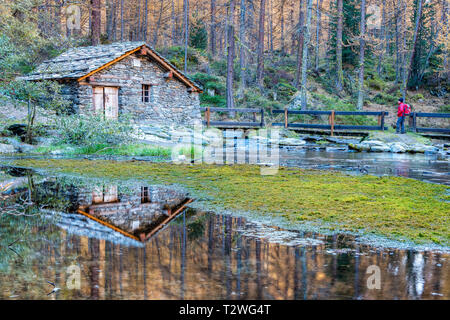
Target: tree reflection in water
(198,255)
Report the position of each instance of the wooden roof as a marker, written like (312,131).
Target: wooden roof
(82,62)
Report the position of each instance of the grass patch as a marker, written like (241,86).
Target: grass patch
(395,207)
(105,149)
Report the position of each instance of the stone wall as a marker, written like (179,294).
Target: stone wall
(170,101)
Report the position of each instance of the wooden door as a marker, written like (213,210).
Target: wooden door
(106,101)
(111,103)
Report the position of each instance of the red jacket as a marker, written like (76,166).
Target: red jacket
(401,109)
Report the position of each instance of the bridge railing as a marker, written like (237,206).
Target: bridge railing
(255,123)
(413,122)
(331,119)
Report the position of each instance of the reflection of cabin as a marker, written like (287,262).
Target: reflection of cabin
(136,214)
(124,78)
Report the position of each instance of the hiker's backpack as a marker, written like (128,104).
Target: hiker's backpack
(406,109)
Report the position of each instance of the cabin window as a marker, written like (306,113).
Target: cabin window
(145,198)
(147,93)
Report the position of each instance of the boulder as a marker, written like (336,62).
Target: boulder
(397,147)
(7,148)
(24,148)
(422,148)
(359,146)
(382,148)
(374,143)
(289,142)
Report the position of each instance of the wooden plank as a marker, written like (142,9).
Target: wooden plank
(168,219)
(98,100)
(108,225)
(231,123)
(327,126)
(421,129)
(243,110)
(432,115)
(101,84)
(111,103)
(338,113)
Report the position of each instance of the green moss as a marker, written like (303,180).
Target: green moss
(394,207)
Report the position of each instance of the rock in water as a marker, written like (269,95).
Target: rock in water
(398,147)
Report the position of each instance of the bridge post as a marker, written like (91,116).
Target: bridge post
(262,117)
(286,117)
(208,115)
(382,121)
(331,120)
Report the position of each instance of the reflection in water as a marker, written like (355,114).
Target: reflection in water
(198,255)
(417,166)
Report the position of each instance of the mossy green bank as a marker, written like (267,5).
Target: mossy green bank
(395,207)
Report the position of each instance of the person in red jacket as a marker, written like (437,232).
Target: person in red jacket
(401,111)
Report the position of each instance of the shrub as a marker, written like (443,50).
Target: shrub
(384,98)
(417,97)
(445,108)
(83,130)
(376,84)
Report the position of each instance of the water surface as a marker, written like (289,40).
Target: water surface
(197,255)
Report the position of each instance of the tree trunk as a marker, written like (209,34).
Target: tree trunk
(31,116)
(383,39)
(109,20)
(242,49)
(307,37)
(293,33)
(96,22)
(121,20)
(213,28)
(186,32)
(145,31)
(361,55)
(260,62)
(339,72)
(270,38)
(138,26)
(230,58)
(397,40)
(300,37)
(319,21)
(174,24)
(413,51)
(404,54)
(158,24)
(282,27)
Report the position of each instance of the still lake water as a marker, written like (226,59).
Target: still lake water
(197,255)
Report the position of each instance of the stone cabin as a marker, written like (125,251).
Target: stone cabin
(124,78)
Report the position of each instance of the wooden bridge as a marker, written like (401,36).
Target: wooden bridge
(331,127)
